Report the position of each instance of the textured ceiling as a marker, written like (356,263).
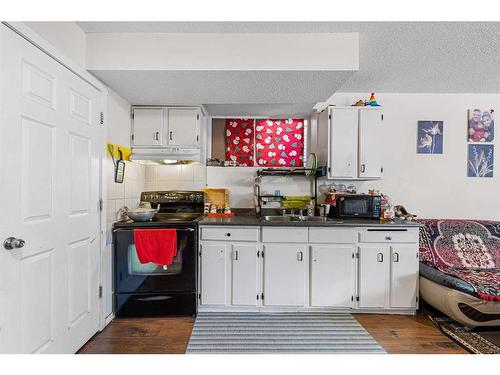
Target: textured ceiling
(224,87)
(405,57)
(451,57)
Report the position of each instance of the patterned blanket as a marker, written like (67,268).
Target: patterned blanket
(467,249)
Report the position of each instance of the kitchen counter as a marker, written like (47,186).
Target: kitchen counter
(253,220)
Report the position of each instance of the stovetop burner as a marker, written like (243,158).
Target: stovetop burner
(175,207)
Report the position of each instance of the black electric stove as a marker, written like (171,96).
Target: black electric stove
(156,290)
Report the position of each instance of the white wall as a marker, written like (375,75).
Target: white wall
(118,195)
(434,186)
(67,37)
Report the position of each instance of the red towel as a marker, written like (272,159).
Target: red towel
(157,246)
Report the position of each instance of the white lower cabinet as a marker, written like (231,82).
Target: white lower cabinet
(284,275)
(348,268)
(213,273)
(388,276)
(245,275)
(404,276)
(374,268)
(332,275)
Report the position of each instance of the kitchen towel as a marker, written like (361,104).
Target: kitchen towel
(157,246)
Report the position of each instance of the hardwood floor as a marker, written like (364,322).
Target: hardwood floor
(406,334)
(396,333)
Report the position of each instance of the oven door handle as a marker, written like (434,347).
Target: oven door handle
(177,229)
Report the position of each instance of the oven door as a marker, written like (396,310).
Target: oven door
(131,276)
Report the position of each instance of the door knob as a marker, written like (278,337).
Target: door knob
(12,243)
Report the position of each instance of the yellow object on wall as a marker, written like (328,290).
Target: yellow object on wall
(114,148)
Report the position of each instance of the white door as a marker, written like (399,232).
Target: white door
(183,127)
(332,275)
(213,273)
(245,273)
(51,143)
(284,275)
(374,268)
(404,273)
(147,130)
(371,143)
(343,158)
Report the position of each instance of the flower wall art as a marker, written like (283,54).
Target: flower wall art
(480,160)
(430,137)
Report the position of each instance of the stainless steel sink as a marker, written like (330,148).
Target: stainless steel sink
(285,219)
(276,218)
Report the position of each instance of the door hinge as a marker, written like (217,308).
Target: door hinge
(329,169)
(257,297)
(132,137)
(262,296)
(197,138)
(100,291)
(100,205)
(199,296)
(102,118)
(357,298)
(352,298)
(416,298)
(352,255)
(199,253)
(132,114)
(382,170)
(357,255)
(198,116)
(262,254)
(382,116)
(329,117)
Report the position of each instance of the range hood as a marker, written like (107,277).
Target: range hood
(170,153)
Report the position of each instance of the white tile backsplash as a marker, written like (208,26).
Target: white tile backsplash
(175,177)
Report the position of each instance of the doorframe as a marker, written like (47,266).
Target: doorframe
(43,45)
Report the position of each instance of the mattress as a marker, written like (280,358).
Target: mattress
(432,273)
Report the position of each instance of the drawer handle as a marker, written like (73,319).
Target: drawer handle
(380,257)
(235,255)
(396,257)
(388,238)
(300,256)
(228,234)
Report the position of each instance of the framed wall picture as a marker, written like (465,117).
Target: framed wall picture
(430,137)
(480,125)
(480,160)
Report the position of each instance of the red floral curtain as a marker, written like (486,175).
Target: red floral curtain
(279,142)
(240,141)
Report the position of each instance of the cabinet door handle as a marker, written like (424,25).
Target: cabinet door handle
(156,136)
(395,257)
(380,257)
(170,135)
(300,256)
(363,167)
(388,238)
(235,254)
(228,234)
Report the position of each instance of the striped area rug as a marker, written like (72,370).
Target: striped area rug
(279,333)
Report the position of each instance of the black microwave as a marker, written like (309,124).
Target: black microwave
(356,206)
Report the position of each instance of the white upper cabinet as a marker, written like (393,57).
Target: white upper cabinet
(343,158)
(183,127)
(147,128)
(350,142)
(164,127)
(370,143)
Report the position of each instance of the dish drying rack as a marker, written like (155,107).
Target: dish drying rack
(286,172)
